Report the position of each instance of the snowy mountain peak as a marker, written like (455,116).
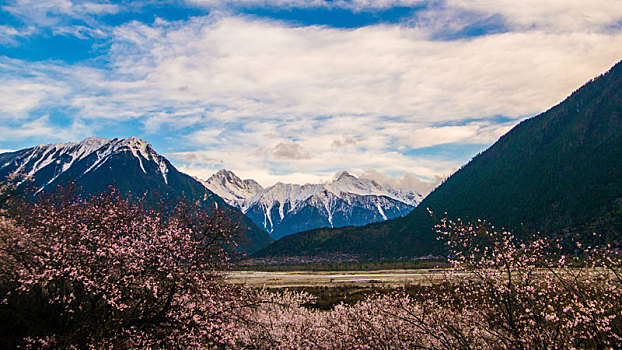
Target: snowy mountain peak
(136,146)
(282,193)
(226,175)
(94,142)
(341,175)
(91,153)
(142,150)
(235,191)
(345,183)
(134,142)
(131,165)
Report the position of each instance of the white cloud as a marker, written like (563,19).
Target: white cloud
(275,102)
(323,161)
(384,88)
(51,12)
(571,15)
(427,136)
(356,5)
(555,15)
(9,35)
(19,96)
(264,69)
(42,129)
(404,181)
(289,150)
(448,15)
(59,16)
(81,32)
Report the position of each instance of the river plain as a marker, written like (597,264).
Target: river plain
(377,278)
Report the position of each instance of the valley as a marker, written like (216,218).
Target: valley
(311,175)
(333,279)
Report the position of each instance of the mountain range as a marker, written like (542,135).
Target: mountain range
(131,165)
(558,173)
(134,167)
(284,209)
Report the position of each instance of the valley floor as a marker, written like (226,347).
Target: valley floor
(377,278)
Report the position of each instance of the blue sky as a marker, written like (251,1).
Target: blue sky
(292,90)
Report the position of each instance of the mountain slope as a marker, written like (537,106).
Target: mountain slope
(284,209)
(131,165)
(559,171)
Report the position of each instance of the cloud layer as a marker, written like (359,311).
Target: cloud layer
(276,100)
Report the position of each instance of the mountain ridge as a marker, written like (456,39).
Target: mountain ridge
(282,209)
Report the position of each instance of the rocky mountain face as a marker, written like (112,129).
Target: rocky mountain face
(283,209)
(131,165)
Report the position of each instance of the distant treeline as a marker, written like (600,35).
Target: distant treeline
(342,266)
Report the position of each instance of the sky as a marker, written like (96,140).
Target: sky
(296,90)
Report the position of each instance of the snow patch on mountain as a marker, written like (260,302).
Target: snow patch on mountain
(281,194)
(65,155)
(344,182)
(44,155)
(384,216)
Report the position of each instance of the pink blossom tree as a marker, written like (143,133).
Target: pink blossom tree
(107,271)
(498,294)
(531,293)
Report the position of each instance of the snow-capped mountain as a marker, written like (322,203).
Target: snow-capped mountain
(94,163)
(131,165)
(344,182)
(232,189)
(283,209)
(47,163)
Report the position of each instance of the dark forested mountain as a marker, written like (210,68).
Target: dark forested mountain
(283,209)
(560,171)
(131,165)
